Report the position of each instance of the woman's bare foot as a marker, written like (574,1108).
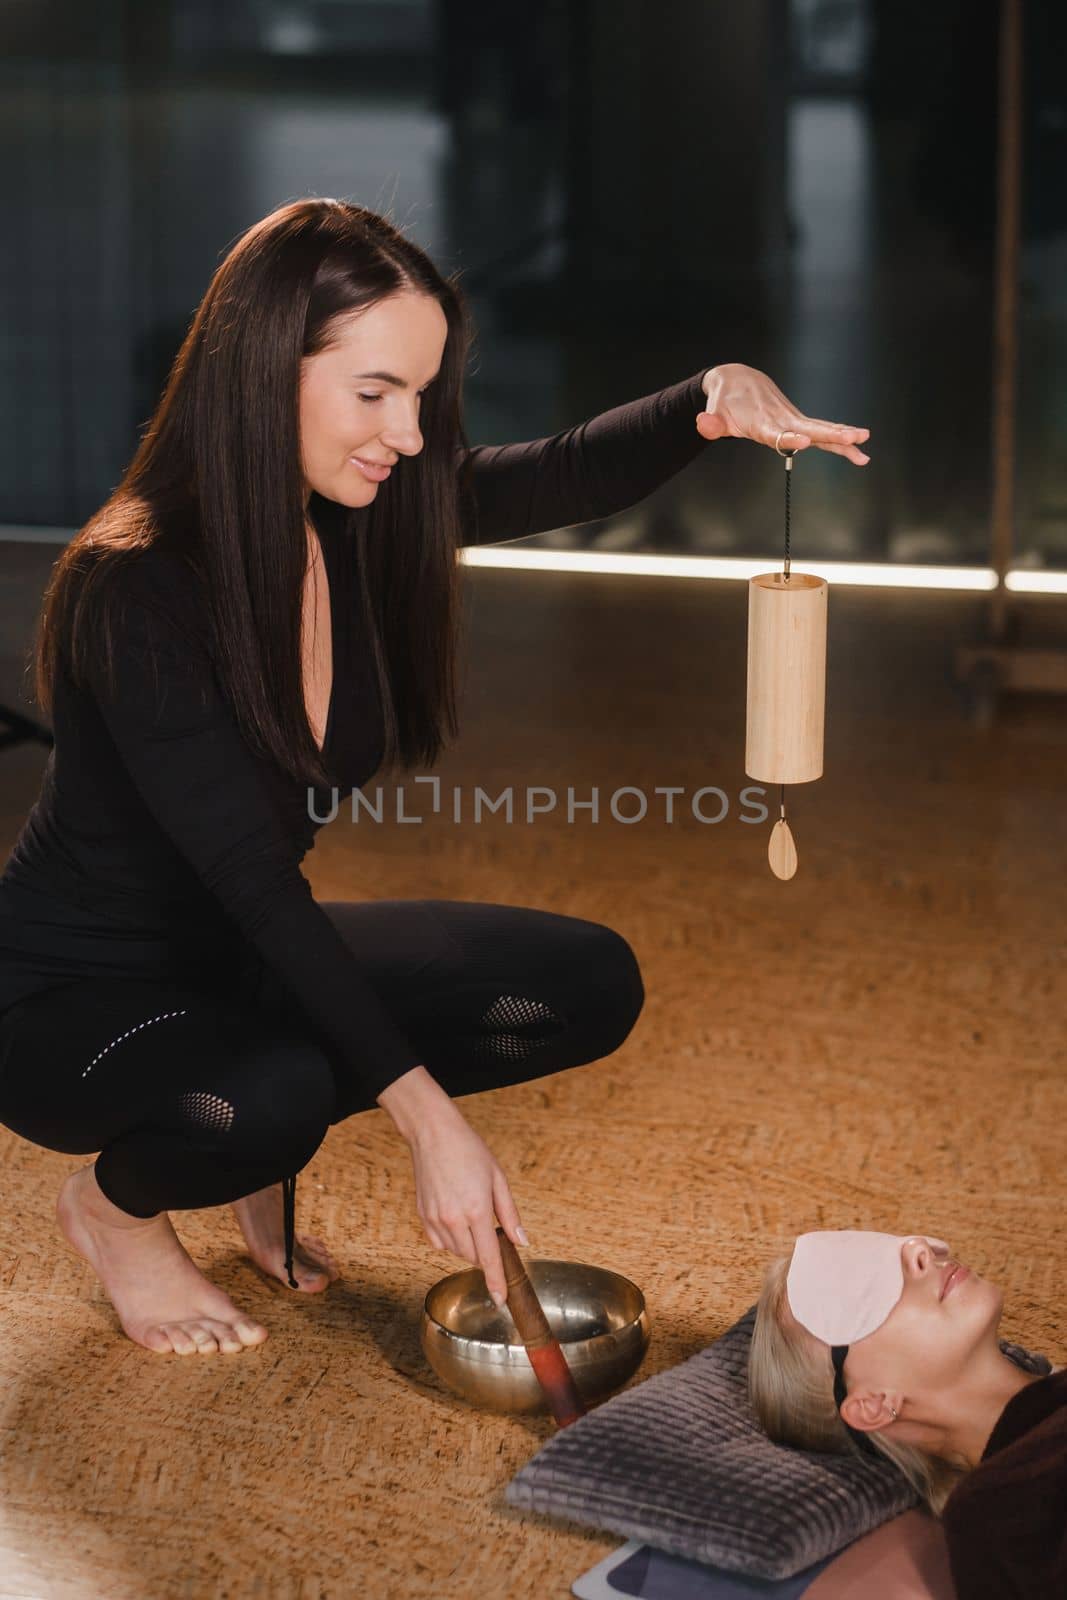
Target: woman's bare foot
(163,1300)
(261,1219)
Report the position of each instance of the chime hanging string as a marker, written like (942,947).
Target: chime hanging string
(788,456)
(788,500)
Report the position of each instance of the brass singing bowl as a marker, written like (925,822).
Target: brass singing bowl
(598,1316)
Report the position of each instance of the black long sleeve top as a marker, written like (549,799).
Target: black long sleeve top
(161,843)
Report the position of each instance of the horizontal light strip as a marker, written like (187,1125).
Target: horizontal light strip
(884,574)
(875,574)
(1025,581)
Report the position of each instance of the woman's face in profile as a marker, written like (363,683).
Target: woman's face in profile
(360,397)
(944,1315)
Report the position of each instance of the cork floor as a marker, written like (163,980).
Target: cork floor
(879,1043)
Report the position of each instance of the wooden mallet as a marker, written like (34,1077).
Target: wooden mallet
(542,1346)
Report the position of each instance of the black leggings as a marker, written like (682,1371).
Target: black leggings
(198,1094)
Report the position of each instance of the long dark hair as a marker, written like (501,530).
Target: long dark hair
(218,476)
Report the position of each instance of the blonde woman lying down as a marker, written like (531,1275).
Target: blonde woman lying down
(891,1341)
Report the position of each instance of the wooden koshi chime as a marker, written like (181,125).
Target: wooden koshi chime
(787,614)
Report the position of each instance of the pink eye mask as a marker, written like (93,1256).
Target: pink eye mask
(842,1284)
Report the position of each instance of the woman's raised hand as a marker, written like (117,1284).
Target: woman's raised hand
(461,1192)
(745,404)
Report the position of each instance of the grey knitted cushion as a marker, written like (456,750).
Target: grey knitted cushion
(680,1463)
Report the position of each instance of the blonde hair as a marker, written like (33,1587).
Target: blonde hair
(791,1387)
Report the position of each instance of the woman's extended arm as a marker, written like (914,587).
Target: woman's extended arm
(188,759)
(615,459)
(591,470)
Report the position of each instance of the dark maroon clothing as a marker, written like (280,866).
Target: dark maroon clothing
(1006,1522)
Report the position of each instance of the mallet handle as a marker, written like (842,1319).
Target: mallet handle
(542,1346)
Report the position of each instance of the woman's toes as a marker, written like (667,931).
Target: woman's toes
(208,1336)
(312,1276)
(181,1340)
(310,1241)
(250,1332)
(318,1252)
(156,1339)
(227,1337)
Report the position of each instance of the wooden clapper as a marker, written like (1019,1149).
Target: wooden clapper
(786,683)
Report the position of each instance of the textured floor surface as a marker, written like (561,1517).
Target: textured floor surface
(879,1043)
